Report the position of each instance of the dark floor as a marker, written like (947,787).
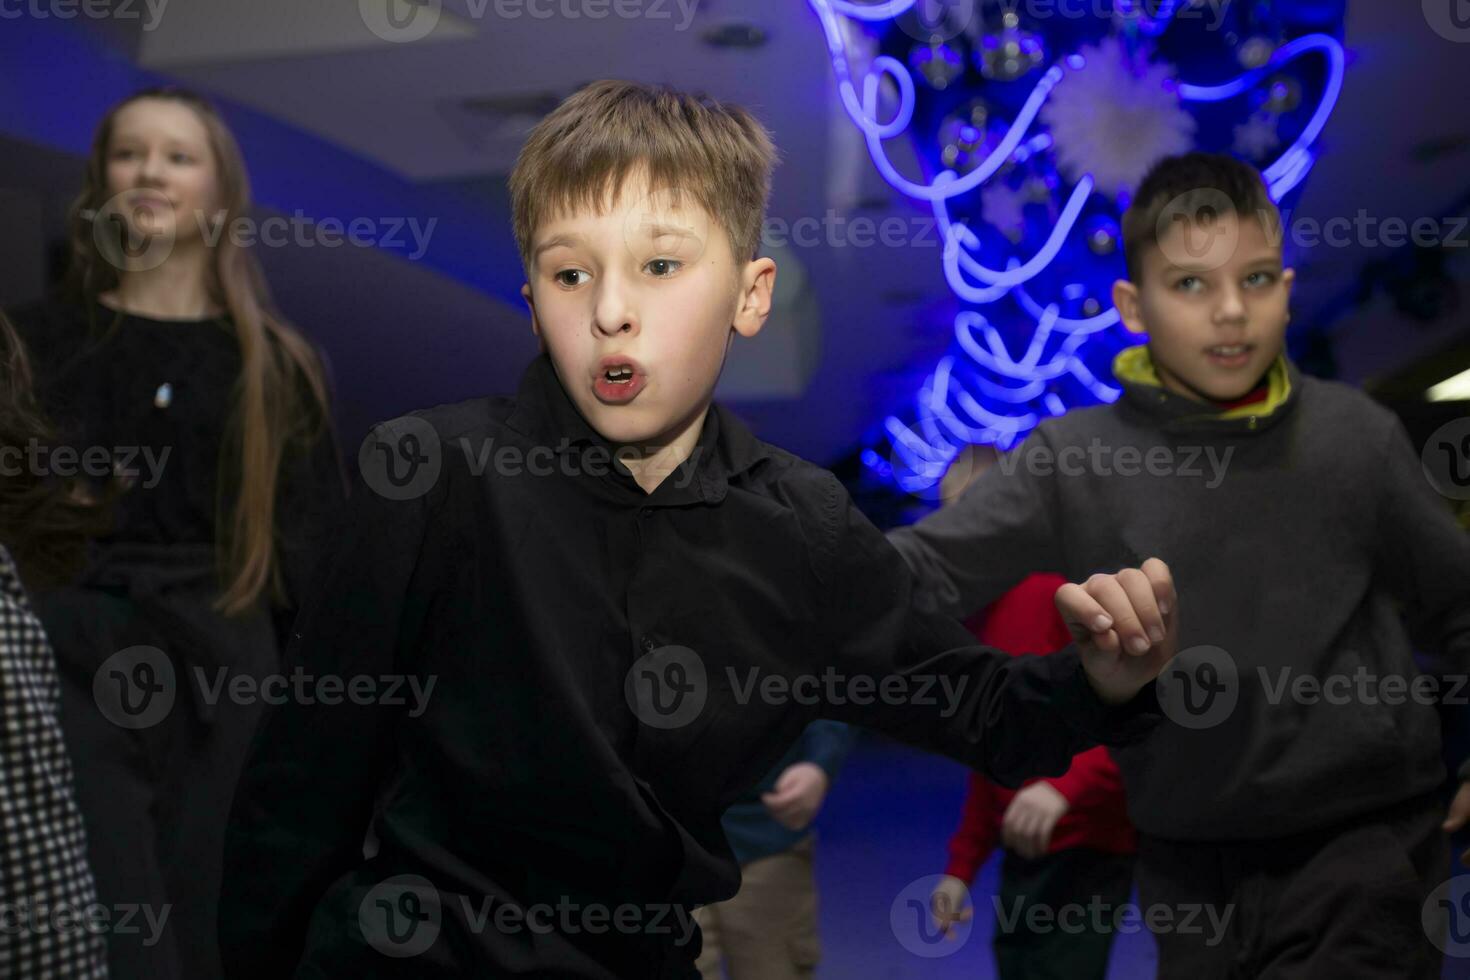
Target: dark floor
(881,840)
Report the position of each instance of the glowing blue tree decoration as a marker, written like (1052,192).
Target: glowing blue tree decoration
(1032,123)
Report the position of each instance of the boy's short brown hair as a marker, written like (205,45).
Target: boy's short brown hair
(1194,187)
(685,142)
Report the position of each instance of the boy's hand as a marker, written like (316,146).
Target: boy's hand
(1126,625)
(1459,813)
(798,795)
(948,905)
(1032,816)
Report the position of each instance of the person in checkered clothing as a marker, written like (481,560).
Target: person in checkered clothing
(46,888)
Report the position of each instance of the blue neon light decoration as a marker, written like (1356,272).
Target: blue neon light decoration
(1036,333)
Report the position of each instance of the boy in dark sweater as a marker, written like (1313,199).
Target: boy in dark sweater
(1296,786)
(618,609)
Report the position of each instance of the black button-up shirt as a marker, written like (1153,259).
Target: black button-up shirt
(610,669)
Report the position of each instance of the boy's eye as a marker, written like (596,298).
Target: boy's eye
(1189,284)
(1258,279)
(561,276)
(182,158)
(662,268)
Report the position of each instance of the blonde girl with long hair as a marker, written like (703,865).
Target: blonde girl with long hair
(184,396)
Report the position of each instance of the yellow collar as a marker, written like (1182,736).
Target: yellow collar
(1136,365)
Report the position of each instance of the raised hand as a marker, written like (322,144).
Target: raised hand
(1126,625)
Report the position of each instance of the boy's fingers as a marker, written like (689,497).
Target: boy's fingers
(1140,593)
(1162,581)
(1117,604)
(1080,609)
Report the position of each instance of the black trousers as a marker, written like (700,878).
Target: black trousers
(1341,903)
(1076,894)
(157,743)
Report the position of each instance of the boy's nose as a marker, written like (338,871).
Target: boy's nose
(613,314)
(1231,307)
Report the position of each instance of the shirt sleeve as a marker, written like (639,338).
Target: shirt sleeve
(968,554)
(826,744)
(306,796)
(1093,781)
(976,836)
(917,676)
(1423,555)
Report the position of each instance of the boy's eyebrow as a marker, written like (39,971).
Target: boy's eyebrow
(658,230)
(655,230)
(1273,258)
(550,243)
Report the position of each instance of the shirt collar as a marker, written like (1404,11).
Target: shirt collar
(725,449)
(1134,369)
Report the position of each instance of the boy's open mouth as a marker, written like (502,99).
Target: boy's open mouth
(618,379)
(1230,355)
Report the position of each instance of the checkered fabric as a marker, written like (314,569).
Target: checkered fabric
(46,888)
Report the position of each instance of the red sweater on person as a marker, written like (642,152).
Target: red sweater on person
(1021,621)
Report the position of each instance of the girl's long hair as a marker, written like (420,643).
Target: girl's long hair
(280,396)
(44,521)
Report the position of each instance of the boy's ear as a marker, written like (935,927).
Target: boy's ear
(1125,298)
(753,304)
(531,306)
(1288,277)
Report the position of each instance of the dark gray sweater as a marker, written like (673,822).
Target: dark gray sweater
(1305,542)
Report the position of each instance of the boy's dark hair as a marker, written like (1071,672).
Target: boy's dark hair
(1194,187)
(44,521)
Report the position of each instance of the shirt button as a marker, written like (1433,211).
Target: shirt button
(647,644)
(646,513)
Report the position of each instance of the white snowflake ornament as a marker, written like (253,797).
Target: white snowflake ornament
(1114,120)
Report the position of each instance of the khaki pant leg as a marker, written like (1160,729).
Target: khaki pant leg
(768,931)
